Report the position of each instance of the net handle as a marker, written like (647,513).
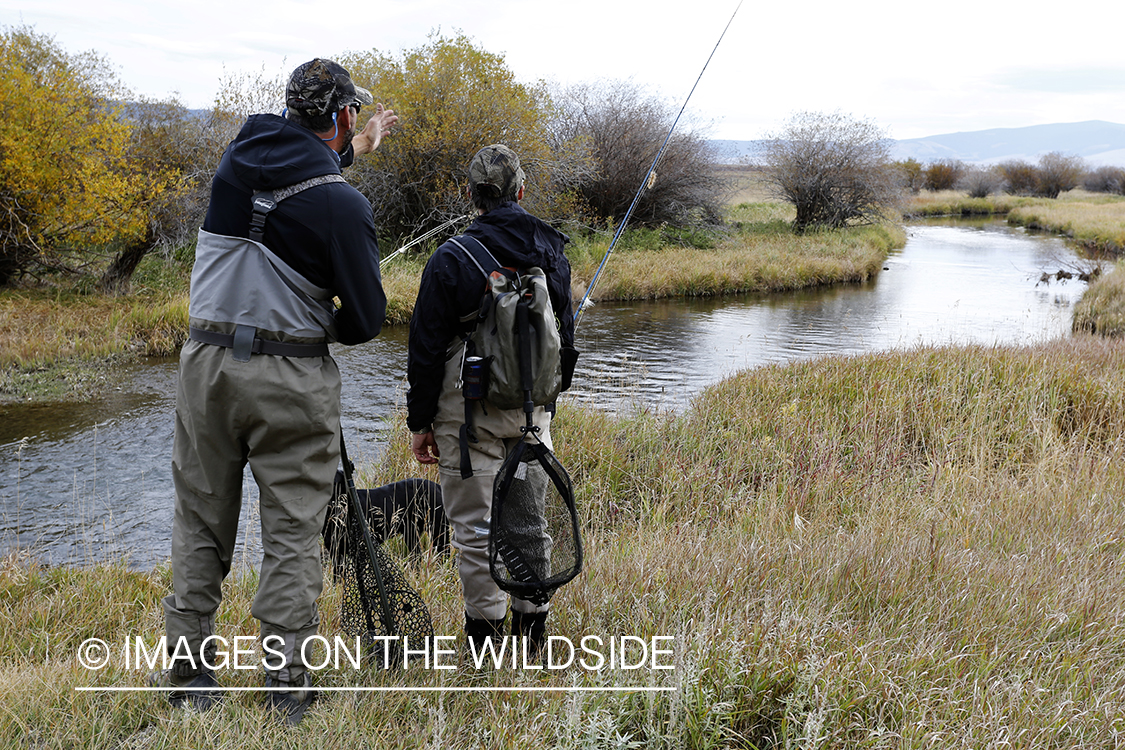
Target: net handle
(357,509)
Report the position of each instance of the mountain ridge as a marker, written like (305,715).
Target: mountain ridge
(1098,142)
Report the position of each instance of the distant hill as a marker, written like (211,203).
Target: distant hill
(1098,142)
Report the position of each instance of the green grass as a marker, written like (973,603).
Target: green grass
(910,549)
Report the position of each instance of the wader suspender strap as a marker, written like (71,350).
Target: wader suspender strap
(466,434)
(244,340)
(265,201)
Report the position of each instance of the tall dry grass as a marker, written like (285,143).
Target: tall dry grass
(957,203)
(760,254)
(1102,307)
(911,549)
(1097,224)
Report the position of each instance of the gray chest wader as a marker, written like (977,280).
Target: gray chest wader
(241,283)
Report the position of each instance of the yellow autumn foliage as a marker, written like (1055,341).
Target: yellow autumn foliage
(453,98)
(66,185)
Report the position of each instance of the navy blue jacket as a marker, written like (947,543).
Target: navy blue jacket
(326,233)
(451,288)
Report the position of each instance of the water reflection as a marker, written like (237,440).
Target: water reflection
(951,284)
(87,482)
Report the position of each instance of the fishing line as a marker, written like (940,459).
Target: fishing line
(436,230)
(648,178)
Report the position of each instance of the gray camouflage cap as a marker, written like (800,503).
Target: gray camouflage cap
(320,87)
(498,167)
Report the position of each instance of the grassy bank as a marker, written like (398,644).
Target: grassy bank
(912,549)
(1095,221)
(760,254)
(1102,308)
(60,343)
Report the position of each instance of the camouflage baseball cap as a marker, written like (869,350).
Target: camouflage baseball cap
(320,87)
(496,166)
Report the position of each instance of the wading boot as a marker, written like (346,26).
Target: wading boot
(478,633)
(531,626)
(289,705)
(197,692)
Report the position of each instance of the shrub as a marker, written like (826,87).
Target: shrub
(833,168)
(980,182)
(454,98)
(1020,177)
(913,174)
(1105,180)
(57,204)
(622,128)
(944,174)
(1059,173)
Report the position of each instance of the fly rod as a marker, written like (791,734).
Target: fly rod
(648,178)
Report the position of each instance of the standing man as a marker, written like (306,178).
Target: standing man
(449,297)
(284,234)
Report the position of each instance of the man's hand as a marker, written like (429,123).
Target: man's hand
(425,448)
(378,125)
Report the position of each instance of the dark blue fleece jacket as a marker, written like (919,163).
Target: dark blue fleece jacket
(451,287)
(326,233)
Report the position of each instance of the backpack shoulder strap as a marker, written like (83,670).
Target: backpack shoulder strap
(479,254)
(265,201)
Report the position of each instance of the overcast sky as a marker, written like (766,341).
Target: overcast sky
(916,69)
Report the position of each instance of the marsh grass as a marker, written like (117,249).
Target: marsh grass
(1102,307)
(956,203)
(760,254)
(910,549)
(1097,224)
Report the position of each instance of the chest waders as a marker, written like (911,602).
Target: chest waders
(247,299)
(240,283)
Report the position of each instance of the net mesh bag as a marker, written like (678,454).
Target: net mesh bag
(534,546)
(376,602)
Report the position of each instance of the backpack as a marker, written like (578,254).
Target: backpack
(513,353)
(516,334)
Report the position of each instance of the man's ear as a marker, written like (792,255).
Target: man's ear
(349,118)
(519,195)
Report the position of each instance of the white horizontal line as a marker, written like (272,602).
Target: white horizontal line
(401,689)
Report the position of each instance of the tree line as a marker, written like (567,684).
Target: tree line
(93,178)
(837,170)
(1054,173)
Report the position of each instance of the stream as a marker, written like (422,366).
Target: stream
(92,482)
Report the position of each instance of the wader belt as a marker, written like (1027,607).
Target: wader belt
(244,341)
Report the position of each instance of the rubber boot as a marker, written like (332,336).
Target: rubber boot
(198,692)
(289,703)
(533,627)
(479,631)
